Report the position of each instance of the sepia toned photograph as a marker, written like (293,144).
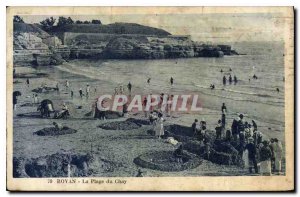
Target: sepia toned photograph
(150,98)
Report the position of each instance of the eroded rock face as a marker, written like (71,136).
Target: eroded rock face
(141,48)
(62,165)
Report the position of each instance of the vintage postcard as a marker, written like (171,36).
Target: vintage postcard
(150,98)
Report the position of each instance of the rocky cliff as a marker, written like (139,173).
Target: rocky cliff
(33,46)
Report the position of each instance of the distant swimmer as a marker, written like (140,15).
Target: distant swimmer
(277,89)
(235,79)
(224,80)
(171,80)
(255,77)
(221,70)
(230,69)
(148,81)
(212,86)
(230,79)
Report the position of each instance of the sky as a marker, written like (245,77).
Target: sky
(202,27)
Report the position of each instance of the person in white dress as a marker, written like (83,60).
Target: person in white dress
(278,155)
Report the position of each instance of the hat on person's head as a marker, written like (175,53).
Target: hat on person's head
(265,142)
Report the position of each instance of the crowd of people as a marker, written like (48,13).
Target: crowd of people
(253,148)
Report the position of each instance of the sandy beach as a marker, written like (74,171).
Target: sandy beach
(118,146)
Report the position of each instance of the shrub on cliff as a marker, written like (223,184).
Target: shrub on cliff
(18,19)
(48,23)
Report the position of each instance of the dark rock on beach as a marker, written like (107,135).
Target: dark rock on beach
(52,131)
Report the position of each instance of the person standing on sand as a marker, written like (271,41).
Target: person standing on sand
(224,80)
(80,93)
(57,87)
(218,130)
(102,111)
(121,89)
(228,135)
(144,105)
(152,119)
(35,98)
(169,105)
(230,79)
(254,125)
(250,147)
(235,80)
(129,86)
(223,120)
(87,91)
(278,155)
(67,84)
(161,122)
(194,125)
(224,109)
(172,81)
(234,130)
(265,159)
(27,82)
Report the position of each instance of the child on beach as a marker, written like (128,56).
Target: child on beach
(67,84)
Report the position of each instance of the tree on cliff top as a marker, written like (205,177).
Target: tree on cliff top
(48,23)
(96,22)
(62,21)
(78,22)
(18,19)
